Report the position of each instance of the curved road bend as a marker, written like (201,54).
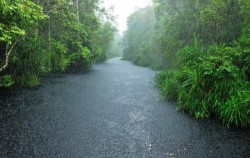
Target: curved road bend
(112,111)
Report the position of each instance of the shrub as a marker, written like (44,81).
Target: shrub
(31,81)
(192,93)
(6,81)
(237,109)
(168,83)
(211,81)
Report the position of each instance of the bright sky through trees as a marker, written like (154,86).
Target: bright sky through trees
(123,8)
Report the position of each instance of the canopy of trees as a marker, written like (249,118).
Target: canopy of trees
(41,36)
(204,47)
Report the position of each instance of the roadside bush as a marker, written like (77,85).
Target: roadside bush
(211,82)
(6,81)
(191,97)
(237,109)
(141,61)
(167,82)
(190,56)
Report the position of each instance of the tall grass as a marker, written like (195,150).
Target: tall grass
(210,82)
(168,83)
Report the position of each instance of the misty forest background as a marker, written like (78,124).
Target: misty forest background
(201,47)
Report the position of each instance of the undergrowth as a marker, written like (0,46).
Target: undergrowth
(210,81)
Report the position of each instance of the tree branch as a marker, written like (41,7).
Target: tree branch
(7,55)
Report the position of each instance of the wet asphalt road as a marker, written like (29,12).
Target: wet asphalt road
(112,111)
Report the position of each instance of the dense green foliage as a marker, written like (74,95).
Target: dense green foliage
(50,35)
(212,83)
(204,47)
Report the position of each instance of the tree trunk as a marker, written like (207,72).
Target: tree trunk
(8,51)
